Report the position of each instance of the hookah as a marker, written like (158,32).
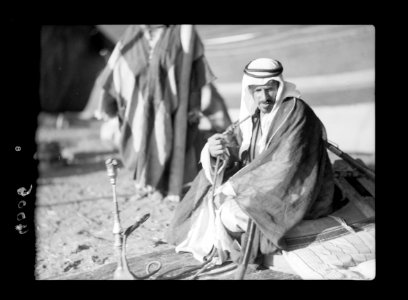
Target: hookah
(122,271)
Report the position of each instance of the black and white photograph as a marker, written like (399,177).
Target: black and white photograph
(202,152)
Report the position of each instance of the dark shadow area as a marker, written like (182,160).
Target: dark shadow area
(71,59)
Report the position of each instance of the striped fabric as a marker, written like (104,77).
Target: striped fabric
(140,87)
(351,256)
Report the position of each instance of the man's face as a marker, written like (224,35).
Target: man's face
(265,95)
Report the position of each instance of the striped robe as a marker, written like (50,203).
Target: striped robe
(140,88)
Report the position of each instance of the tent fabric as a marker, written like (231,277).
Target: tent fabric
(69,64)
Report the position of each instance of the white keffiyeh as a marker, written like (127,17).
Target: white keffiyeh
(248,104)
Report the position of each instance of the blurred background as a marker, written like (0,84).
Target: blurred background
(332,66)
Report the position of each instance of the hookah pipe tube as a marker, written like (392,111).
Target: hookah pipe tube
(209,261)
(251,226)
(251,229)
(217,163)
(247,249)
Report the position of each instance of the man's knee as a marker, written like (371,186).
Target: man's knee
(233,218)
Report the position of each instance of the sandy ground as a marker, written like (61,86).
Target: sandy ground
(74,205)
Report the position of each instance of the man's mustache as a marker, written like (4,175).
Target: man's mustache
(267,101)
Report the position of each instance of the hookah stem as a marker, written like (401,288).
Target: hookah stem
(235,125)
(217,163)
(116,206)
(117,230)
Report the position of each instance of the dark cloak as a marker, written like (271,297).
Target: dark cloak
(291,180)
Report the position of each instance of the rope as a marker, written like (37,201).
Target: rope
(210,262)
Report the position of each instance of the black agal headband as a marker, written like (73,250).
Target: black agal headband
(268,72)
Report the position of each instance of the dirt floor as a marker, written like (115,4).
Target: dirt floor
(74,201)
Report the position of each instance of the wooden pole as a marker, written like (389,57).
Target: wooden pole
(351,161)
(180,122)
(240,272)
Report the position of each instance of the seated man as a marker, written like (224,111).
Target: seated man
(275,170)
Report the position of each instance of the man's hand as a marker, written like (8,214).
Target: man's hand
(217,145)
